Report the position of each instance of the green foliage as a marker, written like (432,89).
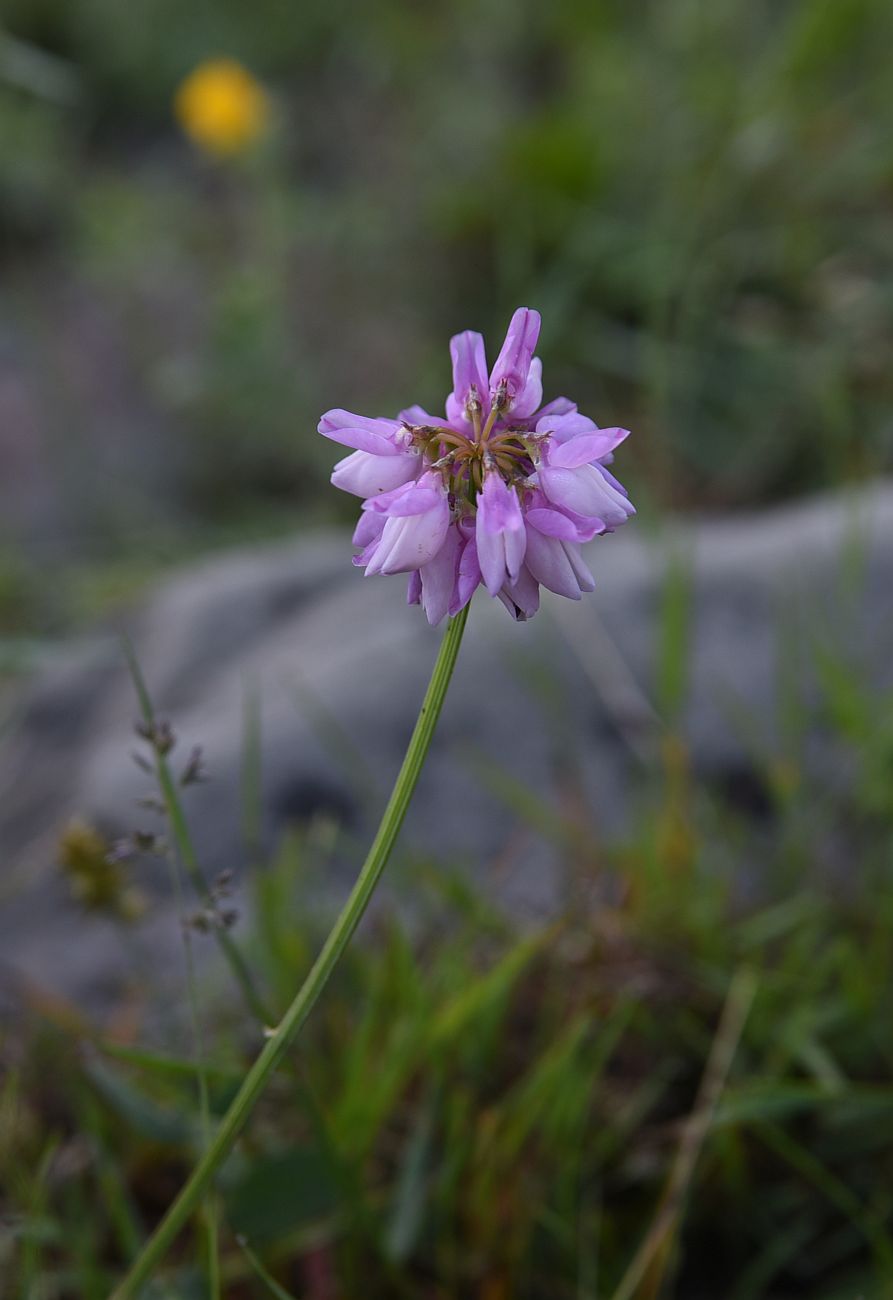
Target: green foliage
(18,591)
(479,1109)
(697,197)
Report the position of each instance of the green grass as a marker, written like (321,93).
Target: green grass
(697,197)
(661,1092)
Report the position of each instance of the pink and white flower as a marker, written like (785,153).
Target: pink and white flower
(500,494)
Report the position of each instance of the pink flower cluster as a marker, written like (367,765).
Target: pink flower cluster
(500,494)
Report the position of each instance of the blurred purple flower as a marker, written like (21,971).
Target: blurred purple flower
(501,494)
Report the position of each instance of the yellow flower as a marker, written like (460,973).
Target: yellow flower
(221,107)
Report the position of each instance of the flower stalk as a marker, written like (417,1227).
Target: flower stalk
(280,1038)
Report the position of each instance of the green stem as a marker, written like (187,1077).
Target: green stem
(281,1037)
(180,830)
(200,1074)
(183,840)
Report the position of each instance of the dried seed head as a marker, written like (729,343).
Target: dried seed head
(194,771)
(151,804)
(148,842)
(158,734)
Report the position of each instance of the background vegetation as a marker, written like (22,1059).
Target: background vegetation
(699,198)
(665,1090)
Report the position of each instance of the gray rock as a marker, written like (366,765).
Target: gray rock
(338,666)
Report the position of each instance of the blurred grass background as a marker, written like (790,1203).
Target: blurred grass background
(699,198)
(696,195)
(659,1092)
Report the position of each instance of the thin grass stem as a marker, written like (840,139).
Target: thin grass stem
(179,828)
(268,1280)
(200,1072)
(650,1262)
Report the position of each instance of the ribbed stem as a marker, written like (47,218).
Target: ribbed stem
(283,1035)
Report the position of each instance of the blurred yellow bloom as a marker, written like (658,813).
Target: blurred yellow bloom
(222,107)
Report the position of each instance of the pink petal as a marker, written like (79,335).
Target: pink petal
(418,415)
(500,534)
(558,406)
(513,362)
(438,578)
(515,540)
(581,572)
(468,577)
(491,557)
(565,426)
(531,394)
(376,436)
(584,448)
(366,475)
(548,559)
(410,499)
(368,529)
(555,523)
(409,543)
(585,491)
(498,506)
(522,598)
(469,371)
(414,588)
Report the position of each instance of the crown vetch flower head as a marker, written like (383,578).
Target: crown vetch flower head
(501,494)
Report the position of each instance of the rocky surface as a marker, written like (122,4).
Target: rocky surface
(338,664)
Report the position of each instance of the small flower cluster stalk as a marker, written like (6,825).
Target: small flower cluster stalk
(500,494)
(280,1038)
